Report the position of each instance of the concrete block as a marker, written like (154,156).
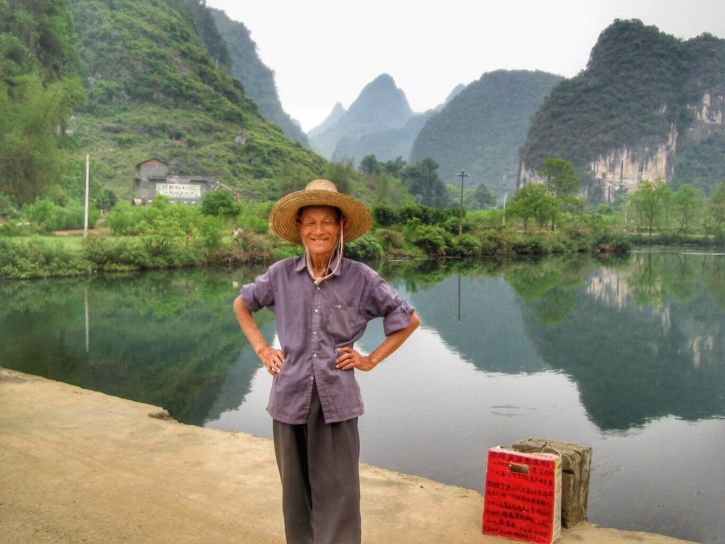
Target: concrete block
(576,461)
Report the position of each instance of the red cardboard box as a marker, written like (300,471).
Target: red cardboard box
(523,496)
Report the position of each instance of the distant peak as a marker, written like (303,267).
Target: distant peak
(384,82)
(383,95)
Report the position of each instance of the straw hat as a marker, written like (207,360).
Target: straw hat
(318,192)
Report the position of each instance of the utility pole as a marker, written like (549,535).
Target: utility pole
(505,196)
(462,174)
(85,209)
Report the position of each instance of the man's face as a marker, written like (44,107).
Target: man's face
(319,229)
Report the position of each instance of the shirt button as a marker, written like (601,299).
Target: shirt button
(318,288)
(314,354)
(316,310)
(314,332)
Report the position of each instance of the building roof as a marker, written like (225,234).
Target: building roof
(152,159)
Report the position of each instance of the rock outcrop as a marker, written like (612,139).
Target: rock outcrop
(649,106)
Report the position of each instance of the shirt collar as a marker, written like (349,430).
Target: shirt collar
(300,266)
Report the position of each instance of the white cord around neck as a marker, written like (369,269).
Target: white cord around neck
(308,263)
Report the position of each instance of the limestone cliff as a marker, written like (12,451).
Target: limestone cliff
(649,106)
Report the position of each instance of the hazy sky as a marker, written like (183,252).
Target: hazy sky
(326,51)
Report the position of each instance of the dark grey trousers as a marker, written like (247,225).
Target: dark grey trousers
(318,464)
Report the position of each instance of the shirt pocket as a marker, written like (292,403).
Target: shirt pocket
(341,322)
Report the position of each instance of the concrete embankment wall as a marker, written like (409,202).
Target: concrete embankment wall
(80,466)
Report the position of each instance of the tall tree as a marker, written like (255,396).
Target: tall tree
(369,165)
(715,209)
(532,200)
(422,180)
(560,177)
(481,198)
(647,203)
(687,203)
(37,92)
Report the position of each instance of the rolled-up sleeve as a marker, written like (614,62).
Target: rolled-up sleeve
(382,301)
(259,293)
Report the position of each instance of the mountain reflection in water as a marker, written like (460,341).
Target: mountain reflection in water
(627,356)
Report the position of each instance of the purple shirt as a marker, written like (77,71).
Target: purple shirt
(312,322)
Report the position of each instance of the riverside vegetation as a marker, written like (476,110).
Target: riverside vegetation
(224,231)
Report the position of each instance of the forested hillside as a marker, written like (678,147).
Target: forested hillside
(256,78)
(648,105)
(155,91)
(38,91)
(483,127)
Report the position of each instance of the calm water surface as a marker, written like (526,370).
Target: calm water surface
(625,356)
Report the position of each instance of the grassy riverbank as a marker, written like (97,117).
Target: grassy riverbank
(62,256)
(165,236)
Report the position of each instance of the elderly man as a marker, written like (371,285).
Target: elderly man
(322,304)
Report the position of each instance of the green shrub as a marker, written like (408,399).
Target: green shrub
(433,240)
(126,220)
(390,239)
(253,216)
(50,216)
(210,234)
(36,258)
(19,228)
(465,245)
(385,216)
(365,248)
(606,241)
(8,208)
(219,203)
(529,245)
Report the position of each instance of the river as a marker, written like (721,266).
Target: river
(625,355)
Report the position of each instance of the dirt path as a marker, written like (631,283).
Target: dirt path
(78,466)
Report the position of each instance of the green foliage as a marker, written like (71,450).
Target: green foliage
(36,36)
(365,248)
(648,203)
(369,165)
(465,245)
(384,216)
(342,174)
(422,180)
(715,210)
(533,201)
(480,198)
(433,240)
(8,208)
(35,258)
(687,204)
(219,203)
(559,177)
(391,240)
(210,233)
(50,216)
(31,153)
(37,94)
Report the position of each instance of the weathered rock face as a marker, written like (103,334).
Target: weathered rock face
(626,167)
(648,111)
(708,116)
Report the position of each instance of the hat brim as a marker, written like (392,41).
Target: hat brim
(282,218)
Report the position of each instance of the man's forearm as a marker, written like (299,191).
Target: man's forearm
(394,341)
(249,326)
